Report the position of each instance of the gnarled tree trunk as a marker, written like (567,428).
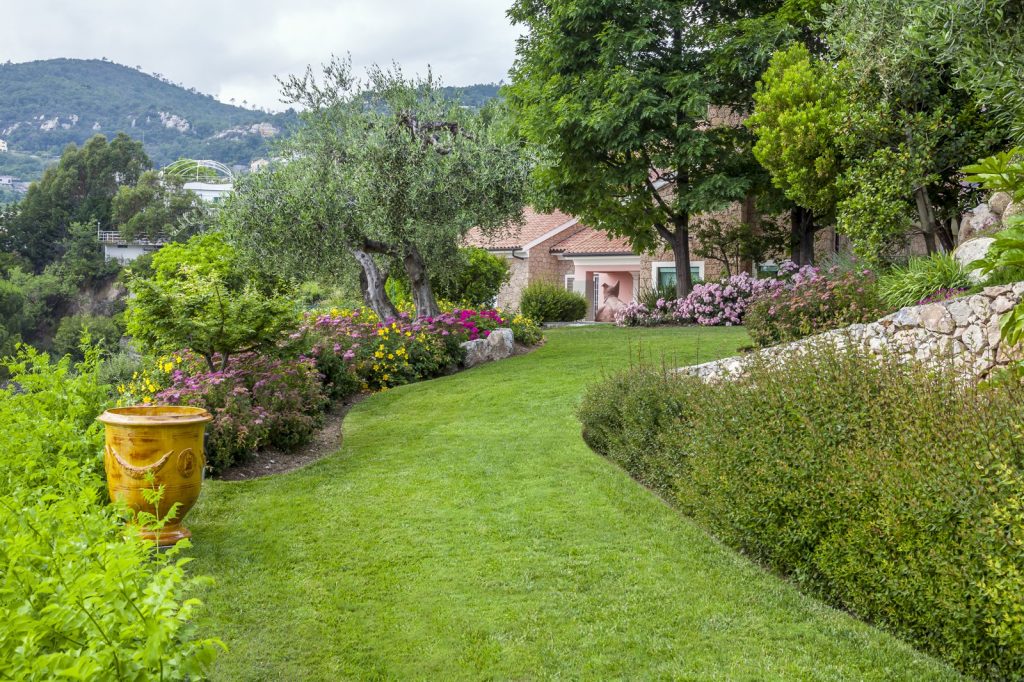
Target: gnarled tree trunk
(422,293)
(372,281)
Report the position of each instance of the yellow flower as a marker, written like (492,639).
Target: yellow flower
(379,354)
(408,333)
(168,366)
(391,356)
(376,367)
(385,377)
(177,359)
(147,400)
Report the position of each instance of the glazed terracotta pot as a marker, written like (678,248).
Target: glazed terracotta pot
(165,441)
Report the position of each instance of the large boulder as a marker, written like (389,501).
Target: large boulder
(1015,208)
(970,251)
(998,202)
(977,221)
(498,345)
(502,343)
(476,352)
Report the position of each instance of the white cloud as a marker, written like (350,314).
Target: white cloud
(234,49)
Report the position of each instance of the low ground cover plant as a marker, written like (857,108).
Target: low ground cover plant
(839,472)
(543,302)
(78,598)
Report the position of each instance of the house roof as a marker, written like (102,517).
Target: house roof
(536,225)
(590,242)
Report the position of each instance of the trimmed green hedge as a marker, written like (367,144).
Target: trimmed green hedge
(543,302)
(886,489)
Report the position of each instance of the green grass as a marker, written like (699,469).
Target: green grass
(464,531)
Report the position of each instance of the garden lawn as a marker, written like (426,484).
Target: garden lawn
(465,531)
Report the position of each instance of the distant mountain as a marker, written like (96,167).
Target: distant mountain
(44,105)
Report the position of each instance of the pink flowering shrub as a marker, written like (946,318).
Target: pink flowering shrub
(814,302)
(256,401)
(723,303)
(712,304)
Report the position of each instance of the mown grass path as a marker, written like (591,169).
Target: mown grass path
(465,531)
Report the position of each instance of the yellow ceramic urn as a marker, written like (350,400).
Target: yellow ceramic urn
(165,441)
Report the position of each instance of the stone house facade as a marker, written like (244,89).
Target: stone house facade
(559,249)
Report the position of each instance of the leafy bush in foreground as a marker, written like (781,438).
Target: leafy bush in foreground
(921,278)
(544,302)
(77,598)
(891,491)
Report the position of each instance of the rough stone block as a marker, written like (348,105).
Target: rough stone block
(935,318)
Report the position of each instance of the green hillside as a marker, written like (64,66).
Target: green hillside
(45,105)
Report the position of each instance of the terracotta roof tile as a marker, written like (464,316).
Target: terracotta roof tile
(589,241)
(517,236)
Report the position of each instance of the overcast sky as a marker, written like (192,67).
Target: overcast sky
(233,49)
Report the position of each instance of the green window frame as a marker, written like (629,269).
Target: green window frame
(667,276)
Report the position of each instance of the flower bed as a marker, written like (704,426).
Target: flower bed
(261,400)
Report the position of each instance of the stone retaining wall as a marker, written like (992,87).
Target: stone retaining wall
(963,333)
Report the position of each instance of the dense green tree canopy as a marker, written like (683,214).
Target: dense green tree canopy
(633,109)
(873,130)
(80,188)
(155,207)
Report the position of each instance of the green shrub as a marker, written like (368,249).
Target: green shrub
(118,368)
(812,305)
(920,278)
(544,302)
(103,332)
(78,599)
(648,297)
(476,280)
(892,491)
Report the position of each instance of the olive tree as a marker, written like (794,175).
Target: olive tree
(383,174)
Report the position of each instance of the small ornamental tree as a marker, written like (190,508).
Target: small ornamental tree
(201,297)
(798,110)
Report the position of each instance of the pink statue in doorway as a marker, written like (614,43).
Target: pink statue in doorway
(611,303)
